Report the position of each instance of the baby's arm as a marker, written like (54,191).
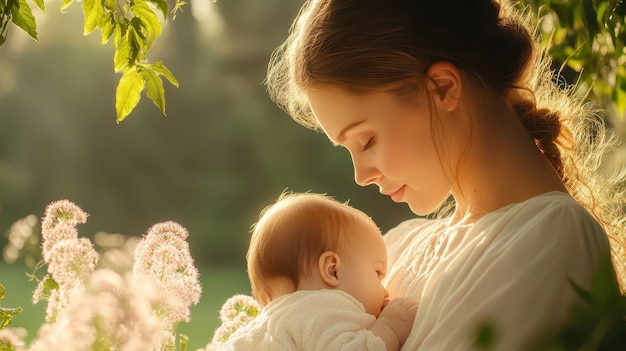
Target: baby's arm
(395,322)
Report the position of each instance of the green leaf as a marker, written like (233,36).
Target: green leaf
(154,87)
(107,28)
(601,11)
(485,336)
(40,5)
(148,23)
(66,4)
(184,341)
(94,15)
(590,19)
(6,314)
(564,13)
(620,8)
(128,93)
(136,43)
(122,49)
(22,16)
(88,10)
(177,7)
(619,93)
(162,5)
(50,284)
(111,5)
(604,286)
(159,68)
(582,293)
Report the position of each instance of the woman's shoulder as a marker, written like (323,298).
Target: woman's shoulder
(550,217)
(553,208)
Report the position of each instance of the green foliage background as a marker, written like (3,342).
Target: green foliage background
(223,152)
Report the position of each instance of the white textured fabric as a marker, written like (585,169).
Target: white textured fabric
(311,320)
(511,268)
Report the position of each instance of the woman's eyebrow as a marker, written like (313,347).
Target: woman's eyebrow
(341,137)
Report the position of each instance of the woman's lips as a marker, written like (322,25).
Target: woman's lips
(398,194)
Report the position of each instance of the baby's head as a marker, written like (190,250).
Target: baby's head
(311,241)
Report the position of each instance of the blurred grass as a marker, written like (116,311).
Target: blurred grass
(218,284)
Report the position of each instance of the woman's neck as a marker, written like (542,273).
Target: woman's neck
(502,166)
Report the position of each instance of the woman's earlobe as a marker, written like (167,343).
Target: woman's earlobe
(446,83)
(328,265)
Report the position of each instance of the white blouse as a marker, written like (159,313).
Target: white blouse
(510,268)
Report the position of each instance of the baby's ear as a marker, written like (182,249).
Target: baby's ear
(328,263)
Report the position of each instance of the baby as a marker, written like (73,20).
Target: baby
(316,266)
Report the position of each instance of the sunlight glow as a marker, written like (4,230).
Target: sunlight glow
(208,17)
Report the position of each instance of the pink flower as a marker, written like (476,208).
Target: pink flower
(162,257)
(224,331)
(58,223)
(72,261)
(239,304)
(108,311)
(62,211)
(235,313)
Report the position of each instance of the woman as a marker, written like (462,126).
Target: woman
(434,99)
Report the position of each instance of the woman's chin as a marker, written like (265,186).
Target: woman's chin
(423,207)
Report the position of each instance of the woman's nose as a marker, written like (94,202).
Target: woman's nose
(365,174)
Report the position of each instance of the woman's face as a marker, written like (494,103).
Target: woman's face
(390,143)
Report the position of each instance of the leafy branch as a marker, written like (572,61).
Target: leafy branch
(588,37)
(19,13)
(133,24)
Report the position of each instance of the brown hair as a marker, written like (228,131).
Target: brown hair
(290,236)
(371,45)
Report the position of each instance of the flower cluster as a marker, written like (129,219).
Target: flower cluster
(94,307)
(162,257)
(109,312)
(236,312)
(70,259)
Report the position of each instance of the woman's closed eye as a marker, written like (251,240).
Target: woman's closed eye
(369,144)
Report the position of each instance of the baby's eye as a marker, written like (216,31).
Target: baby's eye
(369,144)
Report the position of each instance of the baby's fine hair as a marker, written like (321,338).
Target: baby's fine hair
(290,236)
(364,46)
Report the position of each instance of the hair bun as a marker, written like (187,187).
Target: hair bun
(544,126)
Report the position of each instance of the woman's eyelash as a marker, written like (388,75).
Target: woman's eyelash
(369,144)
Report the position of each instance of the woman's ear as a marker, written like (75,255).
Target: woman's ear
(328,263)
(446,84)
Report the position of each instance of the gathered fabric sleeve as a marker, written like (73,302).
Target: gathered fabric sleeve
(511,270)
(321,320)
